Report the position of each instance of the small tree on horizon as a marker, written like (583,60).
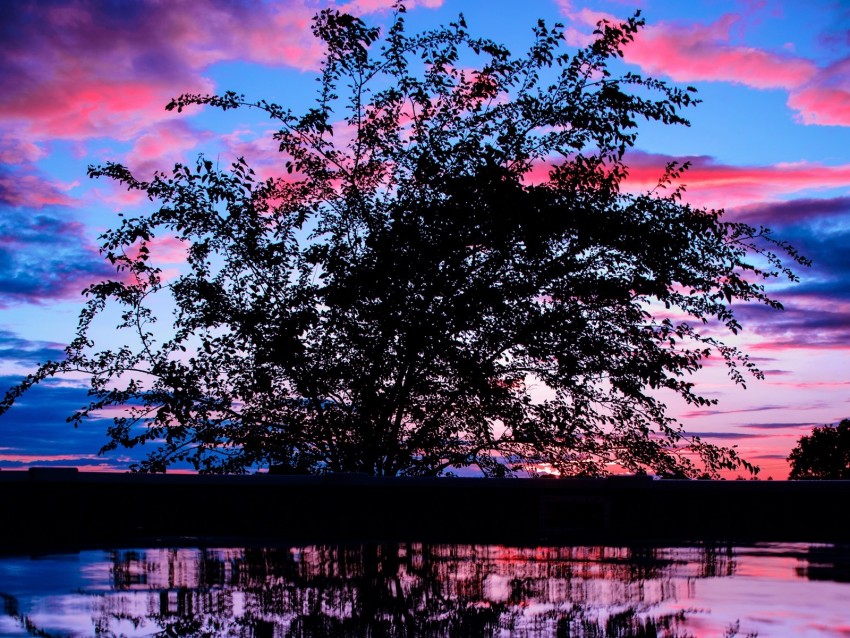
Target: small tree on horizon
(824,454)
(450,274)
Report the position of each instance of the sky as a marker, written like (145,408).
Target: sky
(83,82)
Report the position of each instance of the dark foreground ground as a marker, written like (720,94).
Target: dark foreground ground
(57,509)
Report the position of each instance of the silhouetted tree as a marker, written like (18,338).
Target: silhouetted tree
(823,454)
(451,274)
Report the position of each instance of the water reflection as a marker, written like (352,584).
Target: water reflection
(422,590)
(411,590)
(827,562)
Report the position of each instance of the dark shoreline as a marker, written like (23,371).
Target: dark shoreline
(52,508)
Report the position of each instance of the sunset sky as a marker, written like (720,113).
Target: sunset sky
(86,81)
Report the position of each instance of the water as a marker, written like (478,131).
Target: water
(431,590)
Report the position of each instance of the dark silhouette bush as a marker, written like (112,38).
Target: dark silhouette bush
(823,454)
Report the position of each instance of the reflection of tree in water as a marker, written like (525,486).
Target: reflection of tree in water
(390,590)
(402,590)
(826,562)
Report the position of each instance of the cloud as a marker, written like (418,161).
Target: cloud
(697,52)
(794,211)
(161,146)
(726,435)
(78,69)
(826,99)
(34,431)
(826,285)
(18,350)
(761,408)
(778,426)
(260,150)
(818,307)
(690,52)
(44,256)
(714,184)
(165,249)
(776,373)
(360,7)
(770,457)
(806,324)
(14,150)
(822,105)
(36,424)
(24,186)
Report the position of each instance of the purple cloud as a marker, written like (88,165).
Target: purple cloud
(761,408)
(799,326)
(817,308)
(24,187)
(778,426)
(791,212)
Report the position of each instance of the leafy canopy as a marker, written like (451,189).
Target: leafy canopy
(450,273)
(823,454)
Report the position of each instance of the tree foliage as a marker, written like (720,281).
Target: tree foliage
(450,273)
(823,454)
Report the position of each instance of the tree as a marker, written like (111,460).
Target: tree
(451,273)
(824,454)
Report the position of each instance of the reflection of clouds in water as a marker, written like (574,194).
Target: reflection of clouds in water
(419,589)
(497,588)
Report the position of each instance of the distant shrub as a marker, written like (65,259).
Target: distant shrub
(823,454)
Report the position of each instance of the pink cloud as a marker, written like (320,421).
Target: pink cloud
(826,99)
(31,190)
(779,346)
(822,105)
(693,414)
(713,184)
(14,150)
(161,146)
(259,149)
(79,107)
(808,385)
(694,52)
(76,70)
(117,196)
(166,249)
(277,34)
